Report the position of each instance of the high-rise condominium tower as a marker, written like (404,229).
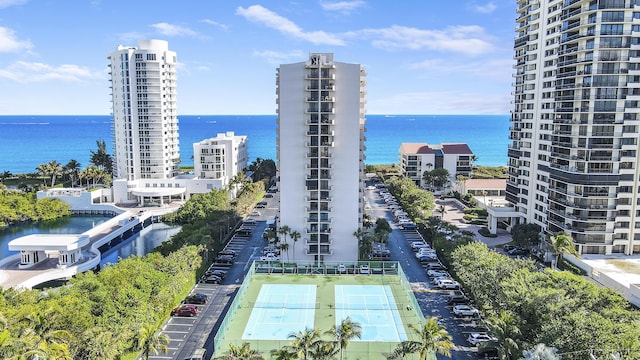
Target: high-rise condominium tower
(573,160)
(321,156)
(145,123)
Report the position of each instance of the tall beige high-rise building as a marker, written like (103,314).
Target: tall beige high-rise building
(321,156)
(573,159)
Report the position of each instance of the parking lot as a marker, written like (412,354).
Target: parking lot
(432,300)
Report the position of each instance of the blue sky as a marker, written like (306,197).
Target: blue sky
(421,56)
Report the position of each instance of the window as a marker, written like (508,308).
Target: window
(151,56)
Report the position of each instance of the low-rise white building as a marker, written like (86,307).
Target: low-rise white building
(222,157)
(416,158)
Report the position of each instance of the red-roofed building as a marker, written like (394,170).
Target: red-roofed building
(416,158)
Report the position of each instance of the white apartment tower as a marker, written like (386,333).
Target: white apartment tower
(321,156)
(573,160)
(145,123)
(221,157)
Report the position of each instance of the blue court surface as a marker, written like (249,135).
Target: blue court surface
(374,308)
(280,310)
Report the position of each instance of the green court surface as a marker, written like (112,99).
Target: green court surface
(265,316)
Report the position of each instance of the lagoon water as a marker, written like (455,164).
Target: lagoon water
(27,141)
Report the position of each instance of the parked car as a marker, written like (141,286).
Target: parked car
(435,266)
(426,257)
(261,205)
(508,247)
(465,310)
(437,273)
(270,257)
(219,273)
(196,299)
(255,213)
(212,279)
(364,269)
(185,310)
(457,297)
(228,252)
(341,269)
(518,252)
(445,283)
(224,259)
(417,245)
(475,338)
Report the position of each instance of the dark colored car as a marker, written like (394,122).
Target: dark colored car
(508,248)
(518,252)
(228,252)
(196,299)
(212,279)
(224,259)
(219,273)
(457,297)
(185,310)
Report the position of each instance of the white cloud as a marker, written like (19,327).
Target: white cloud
(8,3)
(9,42)
(29,72)
(215,23)
(131,37)
(173,30)
(344,7)
(485,9)
(277,57)
(470,40)
(439,102)
(270,19)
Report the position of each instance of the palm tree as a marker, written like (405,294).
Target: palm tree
(433,339)
(43,171)
(284,247)
(345,332)
(304,341)
(284,231)
(54,170)
(284,353)
(150,340)
(72,168)
(242,352)
(295,236)
(101,158)
(506,333)
(323,350)
(5,175)
(403,349)
(364,243)
(563,243)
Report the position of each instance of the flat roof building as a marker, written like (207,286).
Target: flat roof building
(221,157)
(320,153)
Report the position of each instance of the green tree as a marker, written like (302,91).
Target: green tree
(507,333)
(151,341)
(345,332)
(304,341)
(402,349)
(73,169)
(5,175)
(295,236)
(433,339)
(323,350)
(101,158)
(541,352)
(563,243)
(242,352)
(436,178)
(284,353)
(525,235)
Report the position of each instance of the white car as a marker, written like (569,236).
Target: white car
(341,269)
(270,257)
(447,284)
(475,338)
(436,273)
(465,310)
(364,269)
(255,213)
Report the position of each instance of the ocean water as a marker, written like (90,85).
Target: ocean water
(27,141)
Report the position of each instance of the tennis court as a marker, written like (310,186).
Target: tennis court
(374,308)
(280,310)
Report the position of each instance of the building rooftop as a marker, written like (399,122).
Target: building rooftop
(416,148)
(460,148)
(486,184)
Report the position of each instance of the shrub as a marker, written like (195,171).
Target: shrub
(486,233)
(564,264)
